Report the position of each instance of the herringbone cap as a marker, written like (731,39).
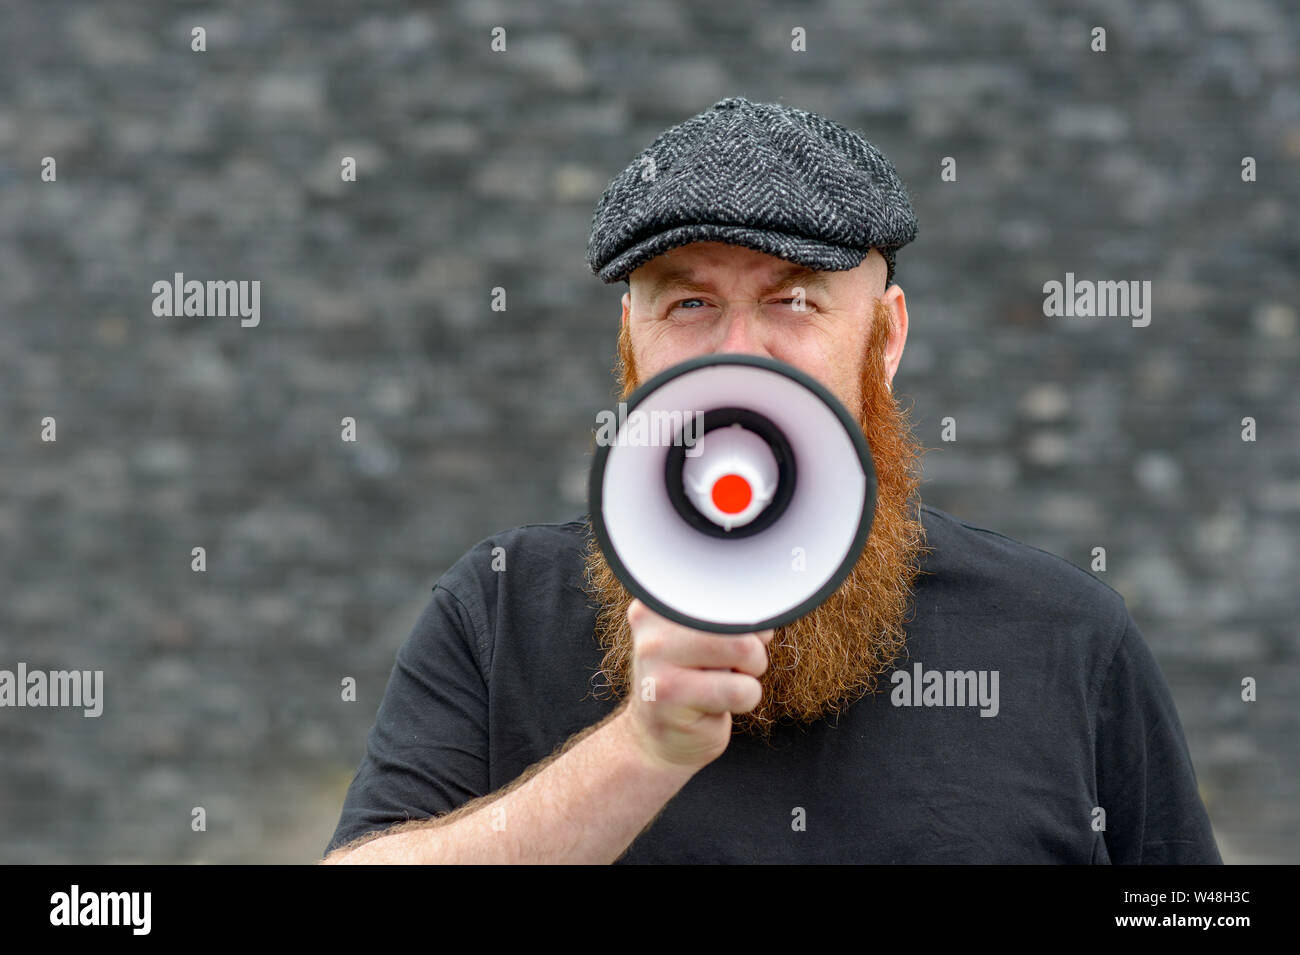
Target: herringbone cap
(772,178)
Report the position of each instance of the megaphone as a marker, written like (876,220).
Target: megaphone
(731,493)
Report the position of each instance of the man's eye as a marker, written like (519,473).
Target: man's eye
(689,305)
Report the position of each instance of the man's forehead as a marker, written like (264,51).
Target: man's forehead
(705,264)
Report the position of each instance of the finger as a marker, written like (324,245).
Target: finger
(691,648)
(715,691)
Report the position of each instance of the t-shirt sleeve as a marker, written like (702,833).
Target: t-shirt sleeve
(1145,780)
(427,753)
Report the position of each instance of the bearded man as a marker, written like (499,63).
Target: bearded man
(961,697)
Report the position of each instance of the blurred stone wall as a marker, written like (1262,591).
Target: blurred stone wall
(479,169)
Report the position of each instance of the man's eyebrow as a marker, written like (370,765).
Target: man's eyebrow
(798,276)
(675,278)
(685,279)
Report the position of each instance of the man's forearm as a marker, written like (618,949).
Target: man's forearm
(585,805)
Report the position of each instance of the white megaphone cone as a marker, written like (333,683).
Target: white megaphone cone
(736,493)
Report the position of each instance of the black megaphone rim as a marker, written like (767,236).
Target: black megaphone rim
(595,496)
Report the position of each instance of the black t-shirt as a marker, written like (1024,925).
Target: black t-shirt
(1079,731)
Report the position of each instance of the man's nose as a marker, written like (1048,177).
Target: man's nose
(741,334)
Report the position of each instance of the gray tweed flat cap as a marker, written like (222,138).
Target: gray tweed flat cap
(772,178)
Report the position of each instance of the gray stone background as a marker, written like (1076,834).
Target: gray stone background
(480,169)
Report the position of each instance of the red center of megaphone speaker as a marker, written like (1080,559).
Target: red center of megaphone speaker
(732,493)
